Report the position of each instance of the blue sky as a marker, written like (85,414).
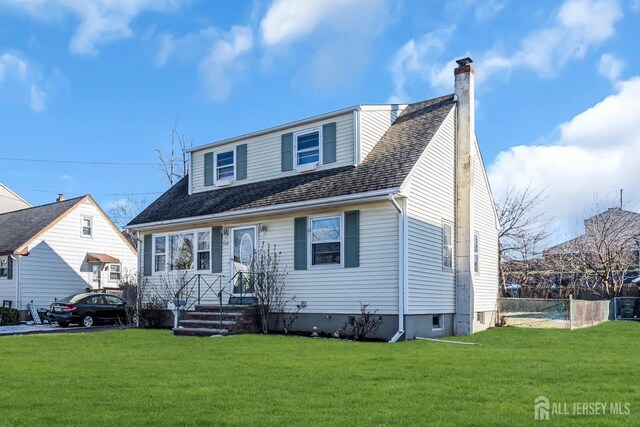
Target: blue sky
(558,94)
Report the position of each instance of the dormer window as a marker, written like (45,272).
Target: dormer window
(225,169)
(307,147)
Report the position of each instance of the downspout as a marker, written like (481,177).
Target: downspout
(401,264)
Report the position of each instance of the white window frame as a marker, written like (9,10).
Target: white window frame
(480,317)
(476,253)
(296,135)
(226,181)
(195,259)
(310,265)
(6,268)
(119,272)
(153,252)
(82,219)
(167,253)
(446,223)
(440,322)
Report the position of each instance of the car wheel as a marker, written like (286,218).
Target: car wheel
(87,321)
(63,324)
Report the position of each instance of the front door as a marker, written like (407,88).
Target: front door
(243,259)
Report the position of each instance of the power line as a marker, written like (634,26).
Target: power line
(98,194)
(79,162)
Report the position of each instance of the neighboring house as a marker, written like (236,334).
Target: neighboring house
(10,201)
(55,250)
(387,205)
(613,226)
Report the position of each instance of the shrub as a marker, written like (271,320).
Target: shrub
(368,322)
(9,316)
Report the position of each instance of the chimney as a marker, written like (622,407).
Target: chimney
(465,139)
(60,198)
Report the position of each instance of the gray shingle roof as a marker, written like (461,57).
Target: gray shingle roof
(18,227)
(386,167)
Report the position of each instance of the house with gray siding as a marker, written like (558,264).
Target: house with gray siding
(387,205)
(59,249)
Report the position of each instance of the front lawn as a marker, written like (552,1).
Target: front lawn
(151,377)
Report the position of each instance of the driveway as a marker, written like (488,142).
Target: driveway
(46,329)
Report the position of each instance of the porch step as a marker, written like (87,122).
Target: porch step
(199,332)
(197,323)
(208,315)
(206,320)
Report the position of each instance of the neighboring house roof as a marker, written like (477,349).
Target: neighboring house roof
(19,227)
(11,197)
(385,167)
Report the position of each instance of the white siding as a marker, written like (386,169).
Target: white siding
(335,290)
(10,201)
(8,287)
(56,265)
(263,153)
(374,122)
(484,223)
(432,200)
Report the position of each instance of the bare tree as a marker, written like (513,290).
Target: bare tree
(123,212)
(523,230)
(607,250)
(175,165)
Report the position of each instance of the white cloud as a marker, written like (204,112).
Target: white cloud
(219,56)
(610,67)
(416,58)
(18,76)
(337,35)
(483,10)
(596,153)
(286,21)
(577,27)
(101,21)
(220,67)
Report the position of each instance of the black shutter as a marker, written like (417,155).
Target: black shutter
(241,162)
(147,248)
(300,243)
(216,249)
(352,239)
(329,143)
(286,146)
(9,267)
(208,169)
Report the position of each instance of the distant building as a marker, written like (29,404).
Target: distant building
(10,201)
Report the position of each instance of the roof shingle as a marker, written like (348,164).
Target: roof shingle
(18,227)
(386,167)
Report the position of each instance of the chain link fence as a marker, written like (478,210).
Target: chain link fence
(552,313)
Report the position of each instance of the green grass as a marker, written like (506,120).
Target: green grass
(153,378)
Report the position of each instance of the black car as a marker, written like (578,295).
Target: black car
(89,309)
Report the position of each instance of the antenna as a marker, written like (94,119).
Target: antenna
(621,199)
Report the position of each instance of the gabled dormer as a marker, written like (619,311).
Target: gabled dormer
(336,139)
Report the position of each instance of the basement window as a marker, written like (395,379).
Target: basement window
(436,322)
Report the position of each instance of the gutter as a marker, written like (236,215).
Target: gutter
(378,195)
(402,263)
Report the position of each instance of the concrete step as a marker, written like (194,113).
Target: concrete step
(224,308)
(207,315)
(200,332)
(196,323)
